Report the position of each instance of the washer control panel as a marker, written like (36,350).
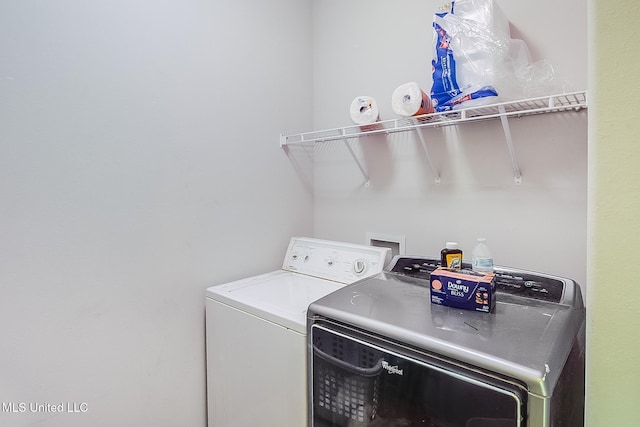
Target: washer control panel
(336,261)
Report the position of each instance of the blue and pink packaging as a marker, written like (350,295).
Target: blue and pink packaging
(465,289)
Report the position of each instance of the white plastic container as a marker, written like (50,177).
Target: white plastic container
(481,258)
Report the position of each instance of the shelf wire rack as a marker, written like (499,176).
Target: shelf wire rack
(504,110)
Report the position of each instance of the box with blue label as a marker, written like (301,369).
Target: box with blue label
(466,289)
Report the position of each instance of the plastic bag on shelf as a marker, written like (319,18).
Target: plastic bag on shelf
(476,62)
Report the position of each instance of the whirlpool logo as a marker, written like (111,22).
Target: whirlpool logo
(391,369)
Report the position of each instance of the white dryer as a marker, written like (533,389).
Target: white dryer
(256,332)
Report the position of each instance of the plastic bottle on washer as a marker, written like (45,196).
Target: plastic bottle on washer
(481,258)
(451,256)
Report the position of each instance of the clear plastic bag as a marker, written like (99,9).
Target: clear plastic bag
(476,62)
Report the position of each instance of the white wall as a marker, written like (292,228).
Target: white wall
(138,159)
(370,48)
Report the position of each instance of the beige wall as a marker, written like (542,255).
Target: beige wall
(613,334)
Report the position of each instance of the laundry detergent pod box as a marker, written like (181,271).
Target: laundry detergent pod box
(466,289)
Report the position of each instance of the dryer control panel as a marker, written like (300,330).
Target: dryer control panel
(337,261)
(510,281)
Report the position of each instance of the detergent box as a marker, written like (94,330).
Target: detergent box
(466,289)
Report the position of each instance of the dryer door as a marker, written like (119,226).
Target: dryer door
(358,380)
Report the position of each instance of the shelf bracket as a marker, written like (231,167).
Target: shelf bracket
(517,176)
(426,152)
(355,158)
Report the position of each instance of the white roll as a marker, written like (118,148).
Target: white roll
(409,100)
(364,110)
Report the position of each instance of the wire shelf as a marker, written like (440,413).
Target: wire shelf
(546,104)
